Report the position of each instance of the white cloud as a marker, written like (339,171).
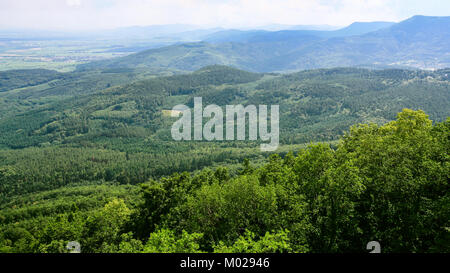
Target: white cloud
(252,12)
(73,3)
(228,13)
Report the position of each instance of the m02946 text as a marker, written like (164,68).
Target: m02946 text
(247,262)
(227,262)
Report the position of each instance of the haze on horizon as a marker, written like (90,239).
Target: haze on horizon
(107,14)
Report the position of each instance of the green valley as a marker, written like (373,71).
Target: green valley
(88,156)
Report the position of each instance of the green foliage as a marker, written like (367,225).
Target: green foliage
(386,183)
(104,228)
(316,105)
(51,139)
(270,243)
(165,241)
(13,79)
(405,169)
(100,168)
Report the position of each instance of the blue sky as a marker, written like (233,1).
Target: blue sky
(102,14)
(406,8)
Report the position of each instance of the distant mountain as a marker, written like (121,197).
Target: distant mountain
(278,27)
(359,28)
(234,35)
(260,35)
(419,42)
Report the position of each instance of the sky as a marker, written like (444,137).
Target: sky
(108,14)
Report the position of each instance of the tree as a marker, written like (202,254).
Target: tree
(277,242)
(165,241)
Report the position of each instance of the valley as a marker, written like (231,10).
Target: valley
(87,153)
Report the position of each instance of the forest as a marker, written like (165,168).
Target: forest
(388,183)
(87,156)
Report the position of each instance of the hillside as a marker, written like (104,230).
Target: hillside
(128,119)
(13,79)
(419,42)
(387,182)
(88,156)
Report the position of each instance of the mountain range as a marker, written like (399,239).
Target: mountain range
(420,42)
(357,28)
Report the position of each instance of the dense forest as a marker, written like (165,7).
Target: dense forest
(388,183)
(88,157)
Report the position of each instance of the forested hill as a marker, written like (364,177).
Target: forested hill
(419,42)
(14,79)
(89,157)
(122,133)
(387,183)
(315,105)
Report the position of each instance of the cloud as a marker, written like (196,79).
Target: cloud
(70,14)
(73,3)
(233,13)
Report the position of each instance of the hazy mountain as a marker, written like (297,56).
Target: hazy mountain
(293,32)
(359,28)
(192,32)
(419,42)
(277,27)
(234,35)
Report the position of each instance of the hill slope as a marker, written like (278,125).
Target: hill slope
(101,168)
(419,42)
(314,105)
